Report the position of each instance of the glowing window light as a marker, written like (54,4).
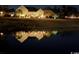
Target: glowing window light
(22,15)
(1,13)
(12,15)
(72,16)
(42,16)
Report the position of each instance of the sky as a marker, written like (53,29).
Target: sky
(41,6)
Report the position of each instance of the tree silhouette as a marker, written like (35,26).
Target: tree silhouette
(66,10)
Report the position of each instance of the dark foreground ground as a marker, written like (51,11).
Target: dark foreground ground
(8,24)
(62,43)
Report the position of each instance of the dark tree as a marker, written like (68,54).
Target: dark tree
(67,10)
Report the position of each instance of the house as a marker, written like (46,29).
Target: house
(10,13)
(50,14)
(40,13)
(2,13)
(72,16)
(5,11)
(21,11)
(31,12)
(28,12)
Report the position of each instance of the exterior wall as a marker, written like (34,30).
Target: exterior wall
(55,16)
(32,14)
(40,13)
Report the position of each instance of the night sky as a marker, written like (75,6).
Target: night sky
(42,6)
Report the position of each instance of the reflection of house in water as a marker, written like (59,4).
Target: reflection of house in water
(22,35)
(29,12)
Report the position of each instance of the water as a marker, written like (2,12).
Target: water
(63,42)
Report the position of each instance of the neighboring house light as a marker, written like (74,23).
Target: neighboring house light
(71,17)
(66,16)
(1,13)
(55,16)
(1,34)
(11,14)
(54,32)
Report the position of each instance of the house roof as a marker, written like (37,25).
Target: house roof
(50,12)
(21,7)
(26,7)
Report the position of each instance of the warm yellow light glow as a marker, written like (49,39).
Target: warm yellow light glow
(27,17)
(1,34)
(1,13)
(72,17)
(12,15)
(54,32)
(21,36)
(22,15)
(42,16)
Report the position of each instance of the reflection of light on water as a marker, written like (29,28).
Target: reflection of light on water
(1,35)
(22,35)
(54,32)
